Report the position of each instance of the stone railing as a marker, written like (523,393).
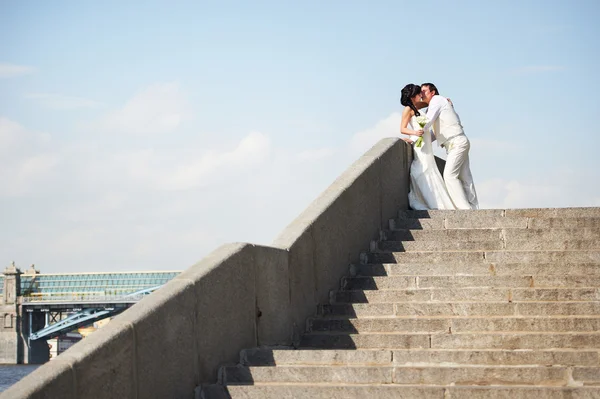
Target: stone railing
(240,296)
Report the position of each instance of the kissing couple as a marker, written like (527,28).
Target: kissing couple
(439,122)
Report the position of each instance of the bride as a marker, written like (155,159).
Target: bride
(427,188)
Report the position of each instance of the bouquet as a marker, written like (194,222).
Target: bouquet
(422,121)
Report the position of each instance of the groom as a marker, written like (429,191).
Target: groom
(450,135)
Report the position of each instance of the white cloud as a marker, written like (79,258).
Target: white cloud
(27,159)
(59,101)
(314,155)
(180,170)
(387,127)
(165,208)
(96,209)
(35,166)
(485,145)
(160,108)
(552,190)
(11,70)
(10,134)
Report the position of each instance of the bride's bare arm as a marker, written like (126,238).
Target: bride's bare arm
(406,115)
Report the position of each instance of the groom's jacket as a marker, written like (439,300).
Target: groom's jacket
(443,119)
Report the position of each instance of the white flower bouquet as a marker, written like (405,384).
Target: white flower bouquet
(422,121)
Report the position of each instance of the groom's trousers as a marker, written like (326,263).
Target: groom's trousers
(457,173)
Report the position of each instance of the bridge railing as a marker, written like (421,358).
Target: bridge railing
(239,296)
(88,297)
(79,299)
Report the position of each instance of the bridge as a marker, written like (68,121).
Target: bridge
(37,307)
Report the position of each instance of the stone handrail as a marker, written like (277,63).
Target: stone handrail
(239,296)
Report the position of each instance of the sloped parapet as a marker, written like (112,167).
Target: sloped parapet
(240,296)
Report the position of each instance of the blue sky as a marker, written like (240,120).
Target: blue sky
(142,135)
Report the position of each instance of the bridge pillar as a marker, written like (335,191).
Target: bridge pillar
(35,352)
(11,349)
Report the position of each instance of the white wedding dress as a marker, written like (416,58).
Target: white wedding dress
(427,187)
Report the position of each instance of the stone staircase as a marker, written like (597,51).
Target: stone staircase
(450,304)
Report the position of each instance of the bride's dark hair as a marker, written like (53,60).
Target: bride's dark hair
(408,92)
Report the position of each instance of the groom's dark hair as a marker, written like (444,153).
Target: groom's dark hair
(431,87)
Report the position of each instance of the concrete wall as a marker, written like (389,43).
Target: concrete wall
(10,349)
(341,222)
(240,296)
(9,338)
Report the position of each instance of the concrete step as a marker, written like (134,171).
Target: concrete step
(516,340)
(455,222)
(465,295)
(534,244)
(441,214)
(392,391)
(406,375)
(365,341)
(424,282)
(471,257)
(418,357)
(493,222)
(378,325)
(304,391)
(283,357)
(583,212)
(521,392)
(419,246)
(428,309)
(562,223)
(545,234)
(481,340)
(442,325)
(475,269)
(552,244)
(358,310)
(306,374)
(444,235)
(482,375)
(410,282)
(424,357)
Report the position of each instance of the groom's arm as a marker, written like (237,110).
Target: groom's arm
(421,104)
(433,112)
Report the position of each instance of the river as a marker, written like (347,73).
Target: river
(11,373)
